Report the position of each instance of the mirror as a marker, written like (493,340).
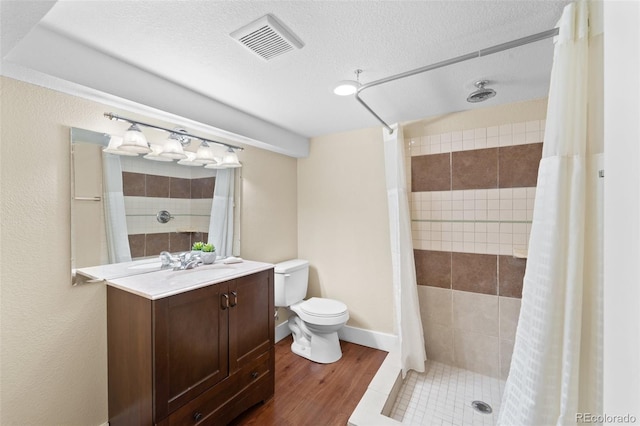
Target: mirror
(156,206)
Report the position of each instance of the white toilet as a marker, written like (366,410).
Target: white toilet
(314,322)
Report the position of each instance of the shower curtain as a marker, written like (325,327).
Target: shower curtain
(408,325)
(114,212)
(221,223)
(556,368)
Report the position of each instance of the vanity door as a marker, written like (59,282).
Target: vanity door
(191,344)
(251,318)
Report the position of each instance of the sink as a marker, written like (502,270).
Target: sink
(198,275)
(150,265)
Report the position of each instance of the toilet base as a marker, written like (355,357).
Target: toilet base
(323,348)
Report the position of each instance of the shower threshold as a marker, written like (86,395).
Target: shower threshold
(442,395)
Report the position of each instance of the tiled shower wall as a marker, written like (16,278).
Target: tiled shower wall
(472,194)
(186,193)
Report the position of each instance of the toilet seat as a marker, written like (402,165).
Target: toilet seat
(320,307)
(320,311)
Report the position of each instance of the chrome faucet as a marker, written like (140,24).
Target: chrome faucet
(183,261)
(167,260)
(187,261)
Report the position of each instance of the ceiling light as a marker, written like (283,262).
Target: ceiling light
(135,141)
(190,160)
(348,87)
(173,148)
(205,155)
(114,147)
(215,166)
(230,159)
(154,155)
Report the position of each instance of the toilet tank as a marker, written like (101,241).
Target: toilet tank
(291,279)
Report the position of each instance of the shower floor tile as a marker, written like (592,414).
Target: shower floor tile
(443,396)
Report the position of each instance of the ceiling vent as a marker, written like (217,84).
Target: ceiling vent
(267,37)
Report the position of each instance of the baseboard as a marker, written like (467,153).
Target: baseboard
(282,331)
(372,339)
(360,336)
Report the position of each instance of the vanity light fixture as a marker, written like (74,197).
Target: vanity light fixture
(114,147)
(205,154)
(134,142)
(173,148)
(348,87)
(230,159)
(154,155)
(215,166)
(190,160)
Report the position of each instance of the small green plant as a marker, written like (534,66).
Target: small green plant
(198,246)
(208,248)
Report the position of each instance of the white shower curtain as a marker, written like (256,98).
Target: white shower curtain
(221,223)
(556,369)
(114,212)
(408,325)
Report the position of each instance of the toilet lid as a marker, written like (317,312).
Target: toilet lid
(320,307)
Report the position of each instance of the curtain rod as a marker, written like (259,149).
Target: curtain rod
(115,117)
(477,54)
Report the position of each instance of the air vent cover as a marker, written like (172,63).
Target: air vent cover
(267,37)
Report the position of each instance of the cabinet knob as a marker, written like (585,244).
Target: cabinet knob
(254,375)
(197,416)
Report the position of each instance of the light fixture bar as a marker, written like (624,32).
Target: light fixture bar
(115,117)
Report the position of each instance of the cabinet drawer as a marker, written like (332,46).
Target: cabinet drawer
(253,371)
(204,408)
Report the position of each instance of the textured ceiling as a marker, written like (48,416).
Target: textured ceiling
(188,43)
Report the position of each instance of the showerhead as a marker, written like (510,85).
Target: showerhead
(482,94)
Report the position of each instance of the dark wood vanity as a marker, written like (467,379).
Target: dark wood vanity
(201,356)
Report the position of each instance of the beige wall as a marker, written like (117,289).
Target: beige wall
(269,223)
(53,365)
(343,227)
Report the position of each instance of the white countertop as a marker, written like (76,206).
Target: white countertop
(122,269)
(163,283)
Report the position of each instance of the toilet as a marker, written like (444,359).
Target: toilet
(314,322)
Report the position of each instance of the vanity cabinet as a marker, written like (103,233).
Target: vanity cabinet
(198,357)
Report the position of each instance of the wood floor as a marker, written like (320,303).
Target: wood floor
(308,393)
